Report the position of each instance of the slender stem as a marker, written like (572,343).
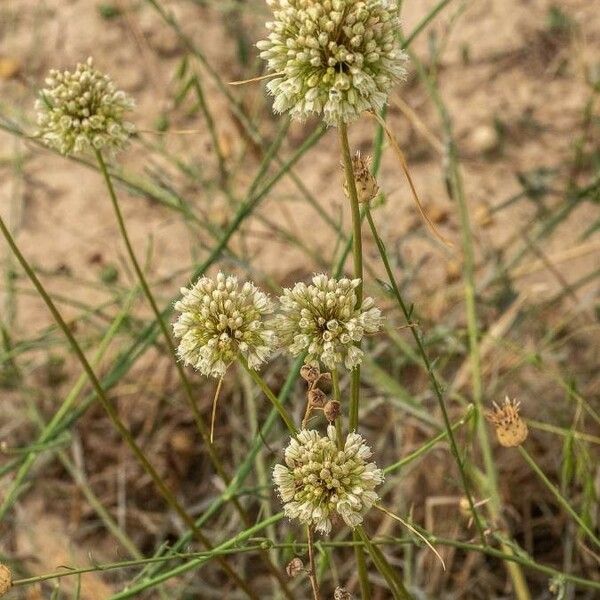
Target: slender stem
(356,255)
(262,384)
(363,575)
(428,367)
(358,273)
(559,497)
(312,573)
(337,395)
(110,410)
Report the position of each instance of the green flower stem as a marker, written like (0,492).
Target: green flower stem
(262,384)
(112,413)
(388,572)
(312,573)
(433,379)
(358,273)
(559,497)
(337,395)
(356,257)
(127,564)
(361,565)
(206,438)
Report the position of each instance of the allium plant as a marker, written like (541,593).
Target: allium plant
(333,58)
(321,480)
(324,321)
(221,320)
(83,110)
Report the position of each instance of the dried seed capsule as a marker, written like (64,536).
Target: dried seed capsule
(324,383)
(341,593)
(310,373)
(511,430)
(294,567)
(332,410)
(366,184)
(316,398)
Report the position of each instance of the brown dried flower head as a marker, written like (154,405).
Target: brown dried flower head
(294,567)
(366,184)
(511,429)
(5,579)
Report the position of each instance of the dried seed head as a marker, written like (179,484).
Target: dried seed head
(332,410)
(511,430)
(366,184)
(5,579)
(324,383)
(323,320)
(341,593)
(83,110)
(220,320)
(294,567)
(332,58)
(316,398)
(320,480)
(310,373)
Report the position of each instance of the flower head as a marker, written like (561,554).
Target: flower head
(83,109)
(319,480)
(322,319)
(219,321)
(335,58)
(511,430)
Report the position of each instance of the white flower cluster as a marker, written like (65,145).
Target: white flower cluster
(323,320)
(220,320)
(335,58)
(81,110)
(320,480)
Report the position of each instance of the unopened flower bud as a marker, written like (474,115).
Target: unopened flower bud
(5,579)
(294,567)
(317,398)
(310,373)
(511,430)
(332,410)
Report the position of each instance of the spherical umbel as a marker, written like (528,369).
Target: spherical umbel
(322,320)
(221,320)
(333,58)
(83,110)
(320,480)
